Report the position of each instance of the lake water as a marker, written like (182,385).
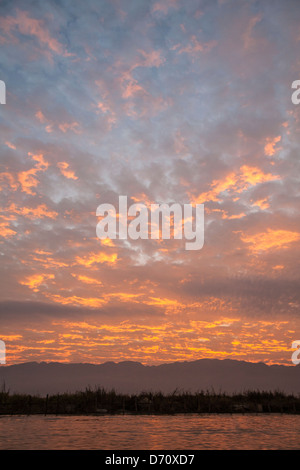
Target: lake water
(184,432)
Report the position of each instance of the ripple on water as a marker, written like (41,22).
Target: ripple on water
(263,431)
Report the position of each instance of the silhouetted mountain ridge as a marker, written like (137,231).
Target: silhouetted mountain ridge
(225,375)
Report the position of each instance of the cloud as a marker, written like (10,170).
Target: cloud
(195,46)
(36,280)
(269,147)
(37,212)
(95,258)
(5,229)
(164,6)
(65,171)
(87,279)
(272,239)
(249,39)
(10,145)
(235,182)
(27,178)
(76,300)
(161,102)
(29,26)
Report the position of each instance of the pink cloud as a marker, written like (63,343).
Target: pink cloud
(31,27)
(195,46)
(164,6)
(248,38)
(62,126)
(10,145)
(128,83)
(151,59)
(132,88)
(69,126)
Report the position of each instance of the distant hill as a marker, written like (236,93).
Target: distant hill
(132,377)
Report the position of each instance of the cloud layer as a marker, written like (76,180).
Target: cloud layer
(166,101)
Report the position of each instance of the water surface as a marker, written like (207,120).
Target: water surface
(185,432)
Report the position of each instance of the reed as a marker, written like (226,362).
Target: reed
(101,401)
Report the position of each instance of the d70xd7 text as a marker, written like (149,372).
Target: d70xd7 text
(151,459)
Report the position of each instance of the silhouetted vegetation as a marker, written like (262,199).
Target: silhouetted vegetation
(100,401)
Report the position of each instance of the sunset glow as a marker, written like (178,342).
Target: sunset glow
(164,102)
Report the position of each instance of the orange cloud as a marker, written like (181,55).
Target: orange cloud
(270,144)
(63,126)
(8,179)
(218,186)
(171,305)
(76,300)
(5,230)
(272,239)
(278,267)
(33,212)
(10,145)
(87,280)
(235,182)
(107,242)
(155,341)
(129,84)
(251,176)
(143,199)
(233,216)
(11,337)
(124,296)
(105,105)
(50,262)
(40,117)
(63,166)
(47,261)
(97,258)
(262,203)
(35,281)
(28,179)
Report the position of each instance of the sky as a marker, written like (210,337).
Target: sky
(161,101)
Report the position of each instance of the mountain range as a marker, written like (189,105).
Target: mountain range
(228,376)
